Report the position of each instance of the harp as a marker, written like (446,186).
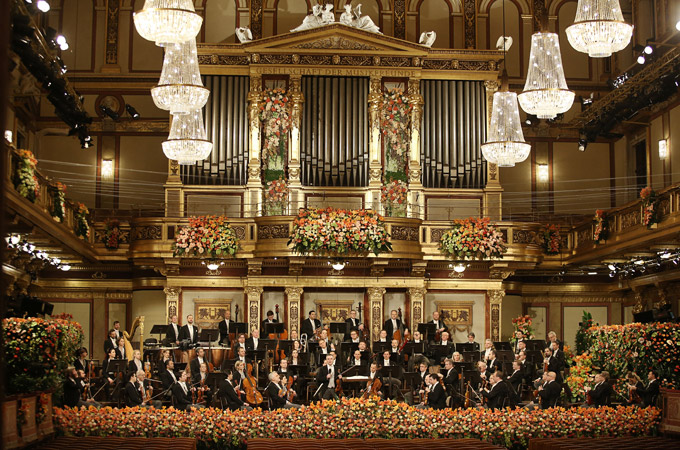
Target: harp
(137,323)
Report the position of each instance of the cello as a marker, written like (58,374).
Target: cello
(253,396)
(372,388)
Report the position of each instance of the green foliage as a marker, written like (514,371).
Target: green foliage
(583,339)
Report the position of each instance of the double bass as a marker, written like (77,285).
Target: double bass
(253,396)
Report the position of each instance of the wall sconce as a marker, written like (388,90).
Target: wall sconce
(663,149)
(543,173)
(107,169)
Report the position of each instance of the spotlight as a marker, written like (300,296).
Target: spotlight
(611,267)
(338,265)
(65,267)
(43,6)
(592,273)
(582,145)
(612,274)
(641,59)
(109,112)
(677,25)
(61,40)
(649,50)
(132,111)
(213,264)
(459,267)
(665,255)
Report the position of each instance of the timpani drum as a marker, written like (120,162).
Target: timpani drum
(216,356)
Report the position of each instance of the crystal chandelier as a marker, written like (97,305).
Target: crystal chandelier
(599,29)
(545,93)
(187,142)
(168,21)
(505,144)
(180,89)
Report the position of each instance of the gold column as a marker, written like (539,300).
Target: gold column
(253,198)
(493,190)
(495,301)
(253,298)
(171,301)
(375,98)
(375,300)
(294,295)
(417,296)
(174,200)
(415,185)
(294,184)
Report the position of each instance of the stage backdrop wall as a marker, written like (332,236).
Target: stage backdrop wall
(511,308)
(189,298)
(477,299)
(151,305)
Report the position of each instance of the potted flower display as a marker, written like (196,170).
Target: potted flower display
(275,197)
(601,232)
(58,194)
(393,196)
(24,178)
(206,237)
(112,234)
(473,238)
(552,241)
(81,226)
(395,121)
(650,216)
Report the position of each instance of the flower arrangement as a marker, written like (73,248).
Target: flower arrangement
(357,418)
(393,196)
(206,237)
(394,123)
(601,232)
(638,347)
(275,197)
(37,351)
(552,242)
(275,116)
(579,372)
(649,204)
(58,193)
(338,231)
(473,238)
(583,338)
(523,324)
(112,234)
(41,408)
(25,180)
(81,227)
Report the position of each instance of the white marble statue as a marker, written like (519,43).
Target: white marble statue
(327,16)
(346,18)
(427,38)
(507,40)
(364,23)
(244,34)
(314,20)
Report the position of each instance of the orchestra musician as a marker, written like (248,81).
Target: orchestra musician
(189,331)
(498,394)
(417,386)
(417,357)
(278,393)
(81,359)
(136,364)
(167,375)
(310,325)
(436,396)
(484,374)
(383,336)
(515,380)
(601,393)
(73,391)
(108,375)
(295,358)
(634,381)
(269,319)
(327,378)
(492,364)
(554,364)
(225,327)
(253,342)
(552,337)
(439,324)
(353,337)
(393,324)
(239,372)
(457,357)
(120,350)
(520,346)
(549,392)
(195,364)
(181,393)
(519,338)
(111,341)
(163,356)
(146,390)
(395,353)
(451,381)
(228,395)
(172,333)
(132,395)
(650,393)
(488,347)
(471,340)
(353,324)
(116,329)
(374,375)
(201,382)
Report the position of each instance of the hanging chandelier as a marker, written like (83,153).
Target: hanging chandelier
(599,29)
(505,144)
(168,21)
(180,89)
(545,93)
(187,142)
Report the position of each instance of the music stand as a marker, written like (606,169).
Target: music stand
(208,335)
(299,369)
(440,351)
(276,328)
(338,328)
(389,371)
(412,347)
(465,347)
(312,346)
(286,345)
(256,355)
(413,379)
(118,366)
(502,345)
(472,357)
(240,328)
(535,344)
(426,330)
(380,347)
(159,329)
(214,379)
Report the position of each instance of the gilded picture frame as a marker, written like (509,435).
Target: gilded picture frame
(209,312)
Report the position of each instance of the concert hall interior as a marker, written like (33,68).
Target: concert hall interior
(459,212)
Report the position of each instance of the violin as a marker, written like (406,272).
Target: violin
(253,396)
(338,388)
(467,395)
(372,388)
(633,396)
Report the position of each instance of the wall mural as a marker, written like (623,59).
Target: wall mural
(208,313)
(456,315)
(333,310)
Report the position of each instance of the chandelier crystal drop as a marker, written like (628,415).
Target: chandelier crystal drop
(187,142)
(545,93)
(168,21)
(180,89)
(599,29)
(505,144)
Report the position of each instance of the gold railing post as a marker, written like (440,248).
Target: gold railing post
(415,184)
(296,199)
(253,197)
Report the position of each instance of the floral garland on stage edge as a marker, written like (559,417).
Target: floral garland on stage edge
(37,351)
(650,214)
(275,197)
(357,418)
(25,180)
(81,227)
(275,116)
(473,238)
(552,242)
(393,196)
(601,232)
(58,194)
(338,231)
(394,123)
(206,237)
(112,234)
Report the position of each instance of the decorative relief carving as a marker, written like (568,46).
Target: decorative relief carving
(469,23)
(524,237)
(496,295)
(495,322)
(375,174)
(336,42)
(240,231)
(437,233)
(375,297)
(253,171)
(402,233)
(493,171)
(395,61)
(500,274)
(256,18)
(357,61)
(630,218)
(584,236)
(414,175)
(276,59)
(146,233)
(223,60)
(272,232)
(664,206)
(315,60)
(294,296)
(399,19)
(253,295)
(417,297)
(112,12)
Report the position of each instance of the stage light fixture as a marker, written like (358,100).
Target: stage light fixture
(611,267)
(649,49)
(65,267)
(43,6)
(132,111)
(641,59)
(582,145)
(109,112)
